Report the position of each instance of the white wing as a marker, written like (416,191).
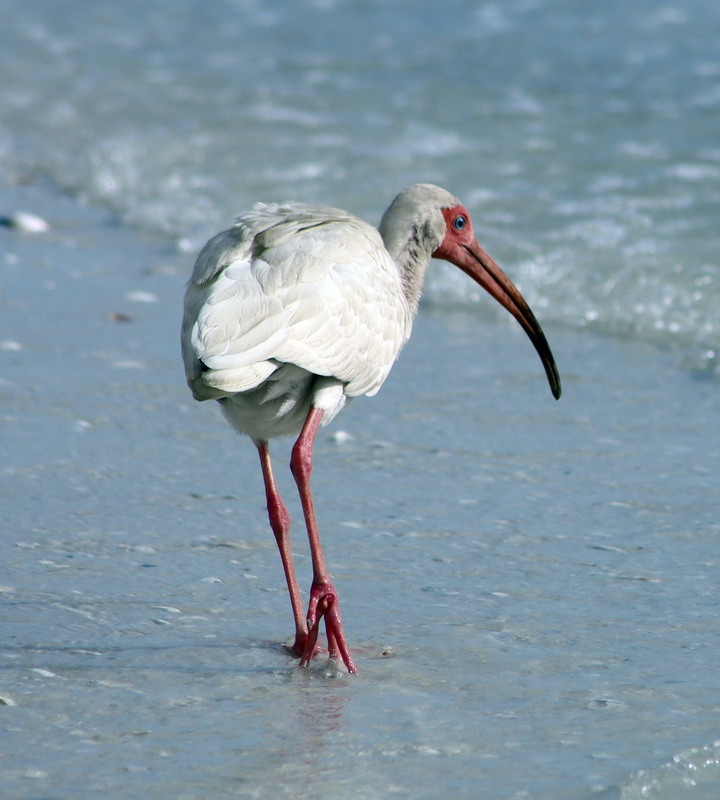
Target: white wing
(293,284)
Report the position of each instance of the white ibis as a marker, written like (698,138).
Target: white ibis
(296,309)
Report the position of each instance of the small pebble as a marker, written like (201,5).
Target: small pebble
(142,297)
(26,222)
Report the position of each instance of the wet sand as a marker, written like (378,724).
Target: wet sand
(544,573)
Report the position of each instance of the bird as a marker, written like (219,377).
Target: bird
(296,309)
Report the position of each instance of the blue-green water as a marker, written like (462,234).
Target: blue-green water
(583,138)
(546,574)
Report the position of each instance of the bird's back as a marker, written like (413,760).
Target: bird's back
(291,284)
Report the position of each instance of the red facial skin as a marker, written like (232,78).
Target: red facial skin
(460,247)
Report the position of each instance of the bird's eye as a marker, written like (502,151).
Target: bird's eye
(459,222)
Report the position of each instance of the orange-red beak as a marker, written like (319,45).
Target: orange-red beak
(473,260)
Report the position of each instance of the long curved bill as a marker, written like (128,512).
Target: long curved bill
(478,264)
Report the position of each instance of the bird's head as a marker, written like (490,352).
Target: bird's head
(443,225)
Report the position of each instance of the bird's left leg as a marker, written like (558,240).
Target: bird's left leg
(323,597)
(280,524)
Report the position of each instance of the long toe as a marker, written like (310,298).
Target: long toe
(311,648)
(324,605)
(337,645)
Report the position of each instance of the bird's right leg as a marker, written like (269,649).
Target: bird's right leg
(323,597)
(280,524)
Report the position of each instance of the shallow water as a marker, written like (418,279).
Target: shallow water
(529,587)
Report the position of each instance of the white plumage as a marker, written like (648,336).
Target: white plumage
(296,309)
(288,293)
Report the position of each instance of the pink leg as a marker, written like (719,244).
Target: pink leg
(323,597)
(280,524)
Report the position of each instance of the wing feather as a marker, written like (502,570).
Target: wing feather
(293,284)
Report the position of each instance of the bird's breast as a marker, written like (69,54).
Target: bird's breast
(280,405)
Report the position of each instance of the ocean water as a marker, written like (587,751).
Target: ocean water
(584,139)
(544,575)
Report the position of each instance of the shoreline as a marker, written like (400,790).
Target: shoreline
(540,561)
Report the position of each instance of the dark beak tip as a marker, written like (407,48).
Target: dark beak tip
(555,386)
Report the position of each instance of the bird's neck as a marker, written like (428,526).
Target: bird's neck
(412,254)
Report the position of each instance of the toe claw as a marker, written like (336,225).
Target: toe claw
(324,605)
